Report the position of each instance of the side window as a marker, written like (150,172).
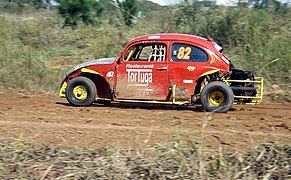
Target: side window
(188,53)
(146,52)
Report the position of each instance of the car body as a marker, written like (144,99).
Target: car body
(167,69)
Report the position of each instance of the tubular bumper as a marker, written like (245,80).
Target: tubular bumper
(62,92)
(259,86)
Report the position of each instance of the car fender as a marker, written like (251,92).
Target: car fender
(76,74)
(85,68)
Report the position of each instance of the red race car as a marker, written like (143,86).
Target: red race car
(167,69)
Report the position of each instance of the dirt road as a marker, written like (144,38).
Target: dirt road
(46,119)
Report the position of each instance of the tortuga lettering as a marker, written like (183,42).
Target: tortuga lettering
(139,77)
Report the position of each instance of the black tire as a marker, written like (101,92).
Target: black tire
(87,92)
(216,97)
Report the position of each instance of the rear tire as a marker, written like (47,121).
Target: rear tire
(216,97)
(81,91)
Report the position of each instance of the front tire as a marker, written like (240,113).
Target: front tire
(216,97)
(81,91)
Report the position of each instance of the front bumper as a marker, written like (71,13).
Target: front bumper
(259,87)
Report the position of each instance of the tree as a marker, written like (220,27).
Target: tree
(270,5)
(128,9)
(185,15)
(75,11)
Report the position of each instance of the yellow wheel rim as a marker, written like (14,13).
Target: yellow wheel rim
(80,92)
(216,98)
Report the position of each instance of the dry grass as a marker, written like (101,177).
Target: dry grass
(36,52)
(19,159)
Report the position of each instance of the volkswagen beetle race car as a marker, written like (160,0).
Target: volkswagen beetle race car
(167,69)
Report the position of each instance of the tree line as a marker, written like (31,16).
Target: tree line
(89,12)
(75,12)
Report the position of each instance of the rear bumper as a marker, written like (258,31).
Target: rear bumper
(258,87)
(62,92)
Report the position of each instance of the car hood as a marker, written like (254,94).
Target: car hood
(90,63)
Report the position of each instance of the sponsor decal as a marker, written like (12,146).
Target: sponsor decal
(154,37)
(191,68)
(110,74)
(139,75)
(140,66)
(188,81)
(142,94)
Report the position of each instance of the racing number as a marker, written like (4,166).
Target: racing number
(184,53)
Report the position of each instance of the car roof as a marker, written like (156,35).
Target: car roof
(172,36)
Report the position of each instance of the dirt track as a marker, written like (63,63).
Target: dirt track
(47,119)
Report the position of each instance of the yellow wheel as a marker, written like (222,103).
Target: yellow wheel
(80,92)
(216,98)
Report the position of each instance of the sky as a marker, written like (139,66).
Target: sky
(166,2)
(220,2)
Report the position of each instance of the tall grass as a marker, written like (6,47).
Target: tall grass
(35,51)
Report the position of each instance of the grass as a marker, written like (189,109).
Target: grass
(36,52)
(19,159)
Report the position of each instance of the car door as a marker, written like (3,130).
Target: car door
(186,62)
(143,72)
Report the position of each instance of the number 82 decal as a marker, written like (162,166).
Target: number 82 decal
(184,53)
